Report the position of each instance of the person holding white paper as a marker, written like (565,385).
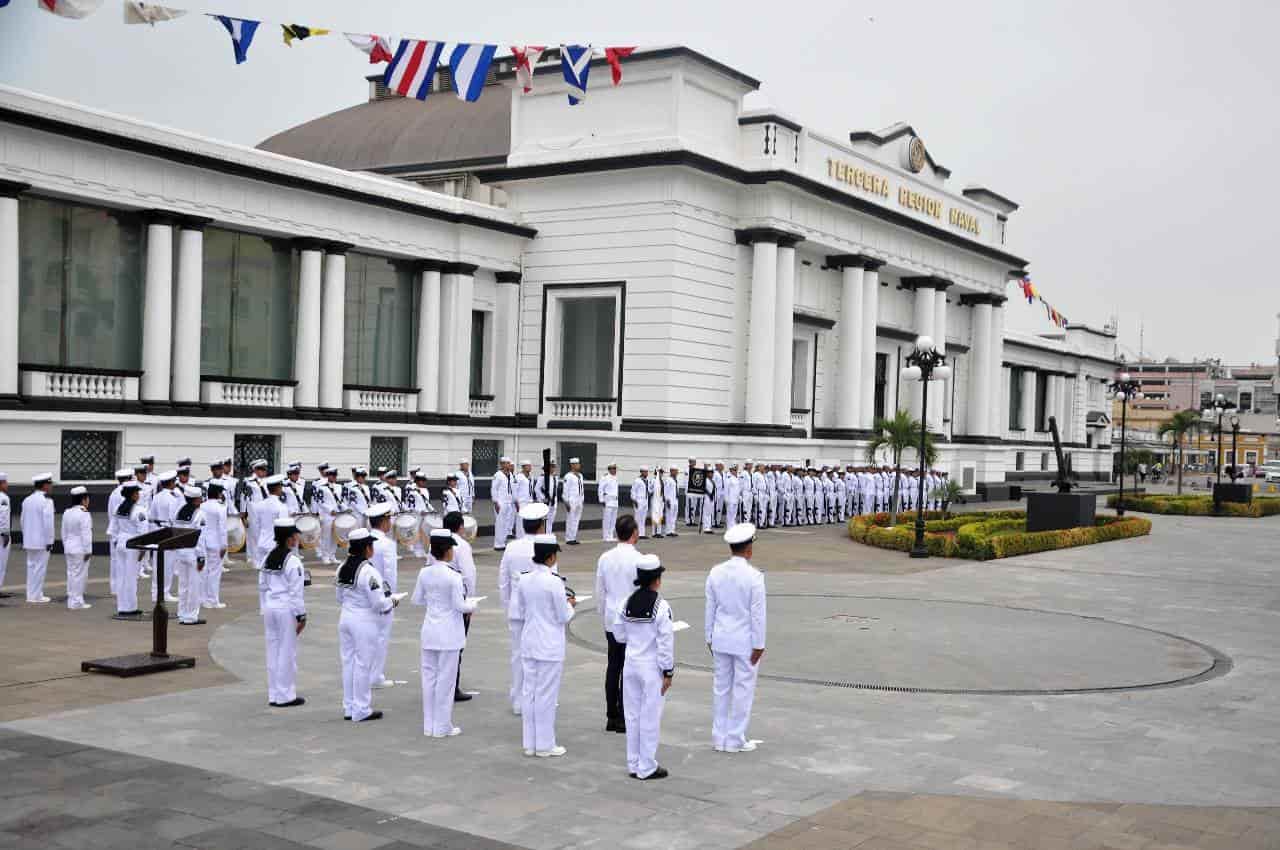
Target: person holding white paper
(735,626)
(386,559)
(364,600)
(646,626)
(441,591)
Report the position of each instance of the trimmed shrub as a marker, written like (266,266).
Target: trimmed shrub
(1197,506)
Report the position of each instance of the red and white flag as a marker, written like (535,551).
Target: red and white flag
(71,8)
(526,59)
(378,48)
(614,56)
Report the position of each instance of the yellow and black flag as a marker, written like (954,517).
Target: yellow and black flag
(298,31)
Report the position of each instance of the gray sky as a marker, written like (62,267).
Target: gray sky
(1138,137)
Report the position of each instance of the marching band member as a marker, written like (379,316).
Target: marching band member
(440,590)
(417,500)
(356,495)
(131,521)
(253,491)
(516,561)
(451,500)
(284,612)
(720,494)
(746,496)
(671,501)
(540,602)
(465,562)
(645,625)
(575,489)
(615,577)
(735,632)
(327,501)
(708,499)
(502,494)
(385,490)
(164,504)
(364,601)
(641,495)
(607,494)
(189,563)
(522,491)
(466,485)
(113,504)
(213,544)
(732,494)
(386,560)
(551,499)
(264,514)
(77,546)
(293,490)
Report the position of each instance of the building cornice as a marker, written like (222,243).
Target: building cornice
(12,188)
(752,235)
(856,261)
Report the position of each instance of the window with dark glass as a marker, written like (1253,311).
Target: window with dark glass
(80,286)
(882,384)
(800,374)
(1015,400)
(584,452)
(89,455)
(587,334)
(379,346)
(477,351)
(1042,401)
(388,452)
(251,447)
(484,457)
(247,309)
(1246,402)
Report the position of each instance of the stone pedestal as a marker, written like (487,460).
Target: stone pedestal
(1242,493)
(1052,511)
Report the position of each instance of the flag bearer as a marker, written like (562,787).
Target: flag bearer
(645,625)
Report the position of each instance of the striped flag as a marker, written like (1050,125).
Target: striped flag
(526,60)
(469,67)
(298,31)
(136,12)
(614,56)
(378,48)
(241,32)
(71,8)
(575,61)
(412,68)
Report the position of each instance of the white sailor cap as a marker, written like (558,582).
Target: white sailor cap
(78,491)
(749,461)
(215,464)
(534,511)
(358,534)
(419,475)
(166,477)
(390,473)
(644,467)
(184,470)
(259,464)
(182,461)
(272,480)
(191,492)
(283,522)
(612,465)
(4,476)
(380,509)
(525,463)
(139,468)
(733,464)
(464,460)
(330,470)
(42,478)
(359,470)
(545,543)
(743,532)
(295,467)
(504,459)
(442,534)
(575,460)
(323,467)
(148,459)
(413,470)
(122,472)
(648,568)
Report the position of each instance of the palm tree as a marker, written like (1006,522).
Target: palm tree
(1182,423)
(951,492)
(898,435)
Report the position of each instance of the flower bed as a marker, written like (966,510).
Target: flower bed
(983,536)
(1197,506)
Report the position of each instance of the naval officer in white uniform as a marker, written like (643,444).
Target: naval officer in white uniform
(441,591)
(646,626)
(540,602)
(735,632)
(37,535)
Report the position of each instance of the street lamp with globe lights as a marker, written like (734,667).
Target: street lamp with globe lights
(1235,453)
(1123,391)
(1219,407)
(924,364)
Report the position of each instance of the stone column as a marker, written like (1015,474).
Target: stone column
(982,378)
(848,386)
(506,337)
(940,392)
(427,371)
(462,336)
(157,307)
(760,332)
(870,316)
(307,336)
(783,331)
(1029,402)
(1050,399)
(185,363)
(333,308)
(10,298)
(997,367)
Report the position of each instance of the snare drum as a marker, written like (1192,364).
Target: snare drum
(405,527)
(343,524)
(235,533)
(308,530)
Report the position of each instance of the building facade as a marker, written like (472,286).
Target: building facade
(653,275)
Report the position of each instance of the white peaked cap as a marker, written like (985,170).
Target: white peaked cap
(273,479)
(258,463)
(504,459)
(283,522)
(358,534)
(78,491)
(42,478)
(525,463)
(122,472)
(534,511)
(168,476)
(545,540)
(191,492)
(644,468)
(743,532)
(378,510)
(574,460)
(442,533)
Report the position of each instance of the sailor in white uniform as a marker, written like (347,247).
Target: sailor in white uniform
(37,535)
(189,563)
(363,601)
(735,632)
(77,546)
(645,625)
(356,495)
(719,476)
(263,516)
(746,496)
(466,485)
(607,493)
(6,527)
(213,545)
(522,491)
(450,498)
(692,503)
(465,563)
(131,521)
(641,495)
(417,501)
(386,559)
(440,590)
(615,578)
(326,500)
(551,499)
(671,503)
(575,491)
(732,494)
(708,500)
(517,560)
(284,612)
(502,493)
(294,488)
(541,602)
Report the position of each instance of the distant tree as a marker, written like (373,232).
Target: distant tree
(950,492)
(895,436)
(1182,423)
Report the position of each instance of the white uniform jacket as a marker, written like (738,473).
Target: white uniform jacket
(281,589)
(213,534)
(615,581)
(366,596)
(439,589)
(539,600)
(37,521)
(607,491)
(574,490)
(386,560)
(465,562)
(651,642)
(77,531)
(735,607)
(517,559)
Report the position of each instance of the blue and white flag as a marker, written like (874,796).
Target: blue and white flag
(411,70)
(575,60)
(241,34)
(469,67)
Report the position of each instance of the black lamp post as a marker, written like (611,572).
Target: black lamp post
(924,364)
(1220,406)
(1235,454)
(1123,390)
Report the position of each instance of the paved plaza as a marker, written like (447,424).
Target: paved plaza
(1115,696)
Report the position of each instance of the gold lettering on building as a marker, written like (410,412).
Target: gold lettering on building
(859,178)
(963,220)
(874,184)
(919,202)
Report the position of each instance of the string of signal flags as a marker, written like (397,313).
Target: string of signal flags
(1032,295)
(411,63)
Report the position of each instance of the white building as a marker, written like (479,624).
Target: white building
(651,275)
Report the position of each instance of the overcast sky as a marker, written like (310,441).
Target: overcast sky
(1139,138)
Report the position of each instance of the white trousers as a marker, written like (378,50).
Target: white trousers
(708,512)
(327,547)
(37,564)
(517,665)
(609,522)
(747,501)
(282,654)
(642,516)
(358,646)
(211,583)
(551,517)
(77,575)
(504,525)
(541,688)
(190,586)
(129,565)
(439,675)
(762,516)
(572,518)
(642,702)
(169,570)
(670,517)
(379,671)
(732,692)
(4,561)
(731,509)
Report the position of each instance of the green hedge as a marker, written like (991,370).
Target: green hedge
(984,536)
(1197,506)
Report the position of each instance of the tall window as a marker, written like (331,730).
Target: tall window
(80,285)
(247,307)
(882,384)
(89,455)
(1015,400)
(389,452)
(1246,402)
(484,457)
(379,323)
(587,334)
(478,335)
(584,452)
(251,447)
(800,374)
(1042,401)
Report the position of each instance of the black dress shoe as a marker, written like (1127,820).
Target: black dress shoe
(296,701)
(192,622)
(346,717)
(660,773)
(376,715)
(633,776)
(274,704)
(673,534)
(571,542)
(459,696)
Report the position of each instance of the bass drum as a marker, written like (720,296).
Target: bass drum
(406,528)
(343,525)
(308,530)
(235,533)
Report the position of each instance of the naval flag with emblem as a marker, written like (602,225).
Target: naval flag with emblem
(149,13)
(526,60)
(377,47)
(412,68)
(241,32)
(71,8)
(575,60)
(298,31)
(469,67)
(614,56)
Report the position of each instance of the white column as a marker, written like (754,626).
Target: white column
(1029,402)
(870,316)
(333,307)
(9,286)
(306,341)
(157,309)
(1050,399)
(462,338)
(997,416)
(760,353)
(922,324)
(448,347)
(940,392)
(1066,401)
(783,330)
(185,363)
(506,337)
(981,376)
(427,373)
(849,387)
